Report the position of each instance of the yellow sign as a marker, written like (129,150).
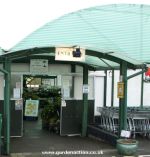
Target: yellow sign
(120,92)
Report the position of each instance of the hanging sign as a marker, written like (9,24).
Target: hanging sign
(69,54)
(120,90)
(39,66)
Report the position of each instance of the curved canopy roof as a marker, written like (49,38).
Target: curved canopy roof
(119,30)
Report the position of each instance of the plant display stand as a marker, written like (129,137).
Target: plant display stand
(127,146)
(50,113)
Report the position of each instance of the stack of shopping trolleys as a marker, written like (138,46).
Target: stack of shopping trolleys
(138,120)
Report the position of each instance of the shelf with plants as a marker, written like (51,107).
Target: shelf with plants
(50,114)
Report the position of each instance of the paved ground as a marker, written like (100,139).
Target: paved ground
(39,143)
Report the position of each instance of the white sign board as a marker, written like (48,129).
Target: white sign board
(39,66)
(59,80)
(66,92)
(85,88)
(18,104)
(66,54)
(125,133)
(31,108)
(63,103)
(16,93)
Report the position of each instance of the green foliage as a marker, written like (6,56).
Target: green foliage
(29,95)
(51,110)
(41,93)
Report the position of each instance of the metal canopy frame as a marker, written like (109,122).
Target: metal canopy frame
(7,58)
(51,50)
(79,28)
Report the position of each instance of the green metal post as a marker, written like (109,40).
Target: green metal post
(85,102)
(142,89)
(73,70)
(7,108)
(105,88)
(112,89)
(123,101)
(136,74)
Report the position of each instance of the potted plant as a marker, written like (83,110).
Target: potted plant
(50,114)
(126,145)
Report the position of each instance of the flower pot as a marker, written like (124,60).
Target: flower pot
(127,146)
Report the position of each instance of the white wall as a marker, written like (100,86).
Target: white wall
(134,89)
(78,84)
(78,81)
(53,68)
(134,84)
(146,97)
(133,95)
(79,69)
(109,80)
(20,67)
(57,69)
(60,69)
(98,92)
(116,80)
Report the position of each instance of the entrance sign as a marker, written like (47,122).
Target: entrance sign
(120,92)
(31,108)
(69,54)
(39,66)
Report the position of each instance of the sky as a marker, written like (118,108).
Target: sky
(19,18)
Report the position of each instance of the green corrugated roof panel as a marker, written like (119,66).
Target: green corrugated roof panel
(121,28)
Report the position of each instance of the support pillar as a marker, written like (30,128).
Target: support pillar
(6,112)
(85,103)
(123,101)
(142,89)
(105,88)
(73,70)
(112,89)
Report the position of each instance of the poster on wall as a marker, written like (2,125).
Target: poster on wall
(85,89)
(39,66)
(16,93)
(31,108)
(18,104)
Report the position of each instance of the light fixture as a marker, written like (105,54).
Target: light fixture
(76,52)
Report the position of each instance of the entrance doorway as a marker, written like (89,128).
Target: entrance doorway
(42,102)
(39,88)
